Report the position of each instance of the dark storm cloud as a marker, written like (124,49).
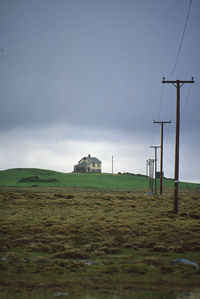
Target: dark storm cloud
(97,66)
(89,63)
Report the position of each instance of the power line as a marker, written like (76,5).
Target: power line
(168,133)
(168,143)
(161,101)
(187,98)
(180,46)
(159,110)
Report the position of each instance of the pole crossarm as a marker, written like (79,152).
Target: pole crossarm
(162,122)
(154,146)
(178,81)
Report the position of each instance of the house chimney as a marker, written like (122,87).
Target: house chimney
(89,156)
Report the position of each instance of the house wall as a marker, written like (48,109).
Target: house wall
(94,167)
(88,168)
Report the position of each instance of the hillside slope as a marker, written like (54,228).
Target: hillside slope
(33,177)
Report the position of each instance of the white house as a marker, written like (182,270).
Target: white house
(88,164)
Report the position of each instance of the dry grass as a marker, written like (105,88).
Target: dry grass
(58,235)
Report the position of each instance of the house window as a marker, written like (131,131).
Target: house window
(93,164)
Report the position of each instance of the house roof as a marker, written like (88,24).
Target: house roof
(90,160)
(93,159)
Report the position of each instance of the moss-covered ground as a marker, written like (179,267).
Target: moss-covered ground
(97,242)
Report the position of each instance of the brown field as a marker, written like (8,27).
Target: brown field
(91,242)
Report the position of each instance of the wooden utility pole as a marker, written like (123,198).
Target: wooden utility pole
(155,147)
(112,164)
(178,84)
(161,151)
(150,171)
(147,168)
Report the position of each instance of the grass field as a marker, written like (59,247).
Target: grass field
(95,236)
(27,177)
(94,243)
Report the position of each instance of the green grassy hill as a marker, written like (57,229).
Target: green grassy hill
(33,177)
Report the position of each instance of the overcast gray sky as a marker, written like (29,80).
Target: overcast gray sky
(84,76)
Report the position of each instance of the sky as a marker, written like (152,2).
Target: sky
(81,77)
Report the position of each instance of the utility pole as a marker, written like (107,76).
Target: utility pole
(150,171)
(155,147)
(178,84)
(112,164)
(151,161)
(147,167)
(161,151)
